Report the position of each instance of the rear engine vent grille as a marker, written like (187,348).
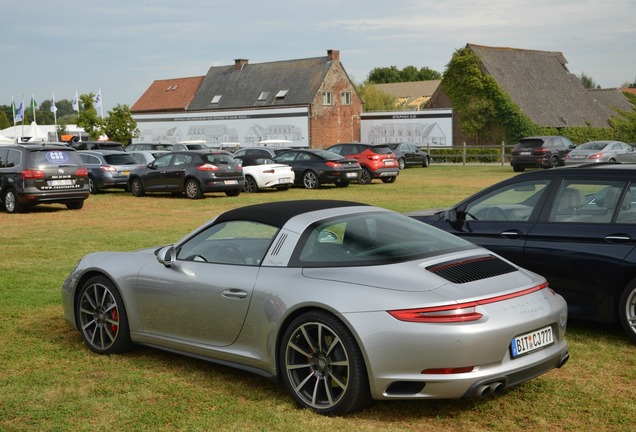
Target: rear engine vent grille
(475,268)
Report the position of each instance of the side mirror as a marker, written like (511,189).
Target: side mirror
(451,215)
(166,256)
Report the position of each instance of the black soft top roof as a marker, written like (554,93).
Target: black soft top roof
(278,213)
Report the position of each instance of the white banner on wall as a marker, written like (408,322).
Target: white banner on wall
(246,127)
(423,128)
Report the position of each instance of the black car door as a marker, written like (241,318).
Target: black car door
(154,176)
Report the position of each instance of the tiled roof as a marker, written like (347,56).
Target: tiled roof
(411,95)
(243,85)
(168,95)
(611,100)
(541,85)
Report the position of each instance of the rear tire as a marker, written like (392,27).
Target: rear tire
(250,185)
(192,189)
(311,180)
(389,179)
(92,185)
(233,193)
(137,187)
(517,168)
(426,162)
(75,205)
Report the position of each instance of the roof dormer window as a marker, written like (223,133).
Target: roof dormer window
(281,94)
(263,96)
(216,99)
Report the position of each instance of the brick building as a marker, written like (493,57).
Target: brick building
(308,102)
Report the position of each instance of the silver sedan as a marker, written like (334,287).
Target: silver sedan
(598,151)
(342,302)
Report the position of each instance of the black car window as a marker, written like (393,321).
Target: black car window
(219,159)
(14,158)
(627,208)
(163,161)
(589,201)
(286,157)
(90,159)
(181,159)
(233,242)
(513,202)
(43,158)
(121,159)
(381,149)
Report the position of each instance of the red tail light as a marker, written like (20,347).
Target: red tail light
(461,312)
(373,157)
(82,172)
(32,174)
(269,171)
(595,156)
(108,168)
(448,371)
(333,164)
(207,167)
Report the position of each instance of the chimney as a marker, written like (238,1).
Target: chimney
(333,55)
(239,63)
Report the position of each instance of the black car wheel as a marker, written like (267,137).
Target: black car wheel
(310,180)
(401,163)
(426,162)
(102,318)
(11,202)
(192,189)
(365,177)
(389,179)
(627,310)
(322,366)
(233,192)
(553,162)
(342,183)
(250,185)
(137,187)
(75,205)
(517,168)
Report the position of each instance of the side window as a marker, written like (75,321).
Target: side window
(346,98)
(514,202)
(3,158)
(586,201)
(162,161)
(327,98)
(14,158)
(235,242)
(627,207)
(181,159)
(286,157)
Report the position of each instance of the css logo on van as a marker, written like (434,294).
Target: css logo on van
(57,157)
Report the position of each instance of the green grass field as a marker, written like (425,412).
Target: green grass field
(50,381)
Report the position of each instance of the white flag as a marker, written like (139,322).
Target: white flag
(97,100)
(53,107)
(76,102)
(19,115)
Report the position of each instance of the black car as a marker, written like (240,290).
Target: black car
(108,168)
(410,155)
(97,145)
(313,168)
(540,152)
(574,225)
(191,172)
(42,173)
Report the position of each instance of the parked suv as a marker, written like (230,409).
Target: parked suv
(108,168)
(377,161)
(42,173)
(576,226)
(540,152)
(193,172)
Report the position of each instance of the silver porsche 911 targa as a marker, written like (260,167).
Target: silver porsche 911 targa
(341,302)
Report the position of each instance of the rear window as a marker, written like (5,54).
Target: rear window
(219,159)
(58,157)
(120,159)
(381,149)
(531,142)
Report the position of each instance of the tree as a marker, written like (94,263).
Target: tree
(120,126)
(588,82)
(374,99)
(392,74)
(88,119)
(4,120)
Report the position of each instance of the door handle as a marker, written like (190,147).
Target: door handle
(618,238)
(234,294)
(512,234)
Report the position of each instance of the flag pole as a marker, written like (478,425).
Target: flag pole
(13,108)
(54,109)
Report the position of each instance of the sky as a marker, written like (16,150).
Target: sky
(121,46)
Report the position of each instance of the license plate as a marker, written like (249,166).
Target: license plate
(525,153)
(532,341)
(284,180)
(230,182)
(389,162)
(61,183)
(352,175)
(125,173)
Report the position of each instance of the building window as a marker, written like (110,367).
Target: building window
(263,96)
(345,98)
(326,98)
(216,99)
(281,94)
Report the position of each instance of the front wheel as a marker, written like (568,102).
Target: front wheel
(102,318)
(627,310)
(401,163)
(11,202)
(553,162)
(311,180)
(426,162)
(322,366)
(92,185)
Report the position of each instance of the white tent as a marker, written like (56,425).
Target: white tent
(35,133)
(6,140)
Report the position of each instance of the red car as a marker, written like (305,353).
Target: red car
(377,161)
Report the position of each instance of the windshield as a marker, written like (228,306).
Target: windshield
(371,239)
